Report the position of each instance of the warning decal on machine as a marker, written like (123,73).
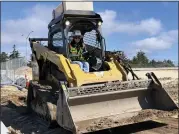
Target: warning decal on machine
(99,74)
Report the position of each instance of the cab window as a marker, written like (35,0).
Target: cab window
(57,39)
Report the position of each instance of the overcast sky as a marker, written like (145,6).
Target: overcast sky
(128,26)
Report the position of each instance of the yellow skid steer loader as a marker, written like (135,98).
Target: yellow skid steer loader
(79,101)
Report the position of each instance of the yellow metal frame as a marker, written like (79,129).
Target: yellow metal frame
(78,77)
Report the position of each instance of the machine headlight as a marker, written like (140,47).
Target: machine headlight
(99,23)
(67,23)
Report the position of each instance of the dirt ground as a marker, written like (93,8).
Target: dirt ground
(159,73)
(14,116)
(171,86)
(24,71)
(12,94)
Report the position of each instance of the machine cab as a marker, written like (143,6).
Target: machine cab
(89,23)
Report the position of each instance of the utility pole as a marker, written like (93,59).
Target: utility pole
(26,42)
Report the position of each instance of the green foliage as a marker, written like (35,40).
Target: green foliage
(165,63)
(15,53)
(3,57)
(141,60)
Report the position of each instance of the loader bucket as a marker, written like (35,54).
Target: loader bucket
(92,108)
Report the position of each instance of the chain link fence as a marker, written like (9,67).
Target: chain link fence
(9,73)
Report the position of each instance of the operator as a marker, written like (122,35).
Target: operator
(77,48)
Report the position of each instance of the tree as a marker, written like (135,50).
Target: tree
(168,63)
(152,63)
(3,57)
(140,59)
(15,53)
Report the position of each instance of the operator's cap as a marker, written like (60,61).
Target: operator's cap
(77,33)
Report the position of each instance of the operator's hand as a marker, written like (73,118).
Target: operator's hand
(85,53)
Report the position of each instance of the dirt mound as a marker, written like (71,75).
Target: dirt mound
(165,78)
(172,83)
(150,114)
(13,94)
(171,86)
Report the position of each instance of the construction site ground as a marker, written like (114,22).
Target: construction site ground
(18,121)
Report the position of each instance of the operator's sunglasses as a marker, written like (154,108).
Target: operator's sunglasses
(77,37)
